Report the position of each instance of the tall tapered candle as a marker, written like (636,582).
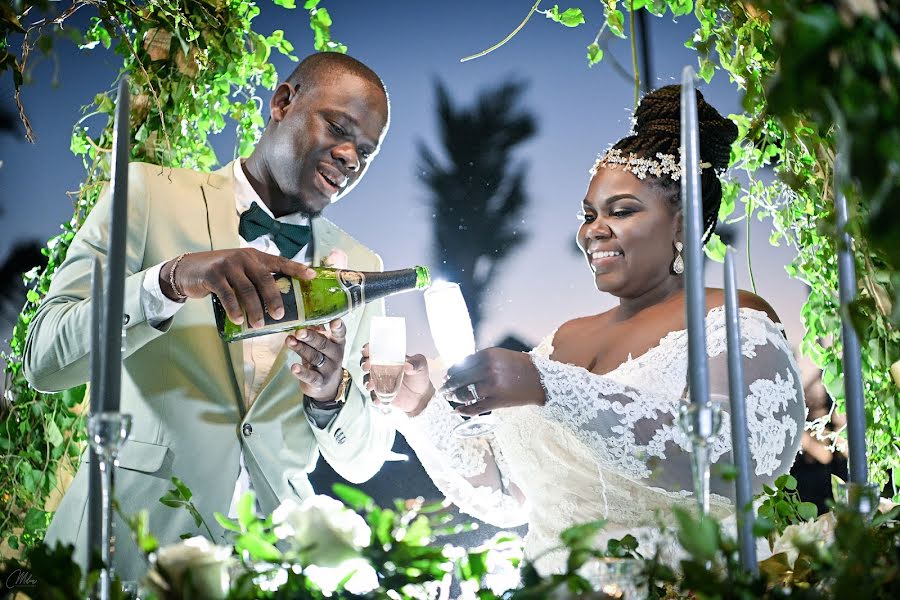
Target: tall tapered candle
(740,447)
(111,341)
(692,207)
(856,414)
(95,498)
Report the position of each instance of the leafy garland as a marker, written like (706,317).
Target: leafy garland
(191,64)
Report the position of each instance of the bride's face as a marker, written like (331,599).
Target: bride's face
(628,233)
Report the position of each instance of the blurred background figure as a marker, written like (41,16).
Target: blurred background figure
(817,461)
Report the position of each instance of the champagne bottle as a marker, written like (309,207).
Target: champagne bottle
(331,294)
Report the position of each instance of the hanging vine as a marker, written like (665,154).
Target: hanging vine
(191,64)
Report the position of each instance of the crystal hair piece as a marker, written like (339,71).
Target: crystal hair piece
(663,164)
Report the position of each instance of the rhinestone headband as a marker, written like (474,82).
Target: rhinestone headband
(663,164)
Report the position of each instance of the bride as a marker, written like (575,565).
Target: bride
(588,419)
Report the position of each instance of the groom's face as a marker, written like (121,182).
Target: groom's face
(326,137)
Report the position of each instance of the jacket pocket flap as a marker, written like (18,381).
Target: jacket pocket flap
(139,456)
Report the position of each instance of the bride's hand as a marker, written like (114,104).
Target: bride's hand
(416,389)
(501,378)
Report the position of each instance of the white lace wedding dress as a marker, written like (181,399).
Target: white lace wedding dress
(609,446)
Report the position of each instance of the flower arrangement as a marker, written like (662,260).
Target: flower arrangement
(351,548)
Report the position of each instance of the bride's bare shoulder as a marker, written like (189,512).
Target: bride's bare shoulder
(579,327)
(716,297)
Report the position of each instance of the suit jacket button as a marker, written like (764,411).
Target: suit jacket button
(247,429)
(339,436)
(126,318)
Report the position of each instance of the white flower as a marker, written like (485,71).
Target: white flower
(323,529)
(363,581)
(195,568)
(819,532)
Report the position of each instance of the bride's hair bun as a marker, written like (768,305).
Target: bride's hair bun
(657,129)
(659,116)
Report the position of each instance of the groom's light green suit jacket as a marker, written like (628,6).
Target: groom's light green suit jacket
(182,384)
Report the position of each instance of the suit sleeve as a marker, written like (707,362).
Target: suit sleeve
(57,347)
(357,441)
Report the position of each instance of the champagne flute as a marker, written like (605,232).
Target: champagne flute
(451,330)
(387,355)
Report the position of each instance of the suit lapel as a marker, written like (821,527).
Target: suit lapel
(222,222)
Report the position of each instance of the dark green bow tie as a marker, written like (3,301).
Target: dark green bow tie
(290,239)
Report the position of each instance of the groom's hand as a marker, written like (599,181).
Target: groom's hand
(322,352)
(240,277)
(416,389)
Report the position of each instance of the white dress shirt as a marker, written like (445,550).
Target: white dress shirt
(259,352)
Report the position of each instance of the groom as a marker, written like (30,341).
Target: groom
(226,418)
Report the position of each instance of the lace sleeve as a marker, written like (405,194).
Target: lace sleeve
(633,430)
(470,472)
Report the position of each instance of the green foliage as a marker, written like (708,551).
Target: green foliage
(191,66)
(571,17)
(842,555)
(781,506)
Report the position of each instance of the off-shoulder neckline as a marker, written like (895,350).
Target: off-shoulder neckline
(675,333)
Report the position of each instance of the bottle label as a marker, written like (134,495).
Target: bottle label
(354,284)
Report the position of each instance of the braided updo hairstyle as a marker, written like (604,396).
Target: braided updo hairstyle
(658,129)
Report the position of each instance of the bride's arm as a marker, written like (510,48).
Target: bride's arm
(470,472)
(635,433)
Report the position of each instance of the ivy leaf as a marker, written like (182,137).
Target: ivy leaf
(615,20)
(310,4)
(808,511)
(290,3)
(714,248)
(681,7)
(353,497)
(183,490)
(707,69)
(259,548)
(54,436)
(246,510)
(594,54)
(786,482)
(571,17)
(700,537)
(581,534)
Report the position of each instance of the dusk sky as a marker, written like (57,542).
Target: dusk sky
(580,111)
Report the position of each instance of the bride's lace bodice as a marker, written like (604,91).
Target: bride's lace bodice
(609,446)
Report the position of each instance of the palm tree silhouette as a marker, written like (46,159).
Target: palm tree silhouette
(477,192)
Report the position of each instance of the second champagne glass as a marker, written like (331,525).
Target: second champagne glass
(451,330)
(387,355)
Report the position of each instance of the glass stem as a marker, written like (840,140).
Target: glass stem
(106,527)
(700,468)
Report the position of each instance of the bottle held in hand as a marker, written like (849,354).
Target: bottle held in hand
(331,294)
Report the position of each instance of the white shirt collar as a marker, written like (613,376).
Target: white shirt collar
(245,195)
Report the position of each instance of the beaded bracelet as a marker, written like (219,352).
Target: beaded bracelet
(181,297)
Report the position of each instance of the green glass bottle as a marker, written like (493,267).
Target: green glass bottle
(332,294)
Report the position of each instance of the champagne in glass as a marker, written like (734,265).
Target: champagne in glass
(387,355)
(451,330)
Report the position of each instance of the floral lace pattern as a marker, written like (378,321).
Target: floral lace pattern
(608,446)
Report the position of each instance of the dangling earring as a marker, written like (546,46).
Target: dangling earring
(678,265)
